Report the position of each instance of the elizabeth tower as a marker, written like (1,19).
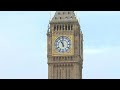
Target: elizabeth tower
(64,46)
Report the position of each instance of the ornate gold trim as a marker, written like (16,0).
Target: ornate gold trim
(69,53)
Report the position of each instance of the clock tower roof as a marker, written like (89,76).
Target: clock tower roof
(64,16)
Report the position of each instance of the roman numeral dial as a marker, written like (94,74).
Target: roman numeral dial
(62,44)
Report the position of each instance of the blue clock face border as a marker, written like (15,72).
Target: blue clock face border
(62,44)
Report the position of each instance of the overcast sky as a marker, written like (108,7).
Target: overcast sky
(23,44)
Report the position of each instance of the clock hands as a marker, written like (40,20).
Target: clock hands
(62,43)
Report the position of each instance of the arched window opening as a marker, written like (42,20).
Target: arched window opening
(54,27)
(65,27)
(62,27)
(68,27)
(57,27)
(71,27)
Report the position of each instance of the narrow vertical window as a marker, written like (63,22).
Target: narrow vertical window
(54,27)
(71,27)
(57,27)
(65,27)
(62,27)
(57,72)
(69,73)
(60,73)
(68,27)
(66,72)
(53,72)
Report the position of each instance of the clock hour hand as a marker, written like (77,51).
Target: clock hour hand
(62,44)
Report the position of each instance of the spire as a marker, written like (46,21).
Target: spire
(64,16)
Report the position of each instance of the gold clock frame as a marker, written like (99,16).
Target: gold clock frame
(70,52)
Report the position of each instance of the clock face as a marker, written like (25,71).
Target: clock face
(62,44)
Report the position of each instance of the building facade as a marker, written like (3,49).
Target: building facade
(64,46)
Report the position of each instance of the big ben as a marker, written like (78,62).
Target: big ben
(64,46)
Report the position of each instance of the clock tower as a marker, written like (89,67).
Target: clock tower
(64,46)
